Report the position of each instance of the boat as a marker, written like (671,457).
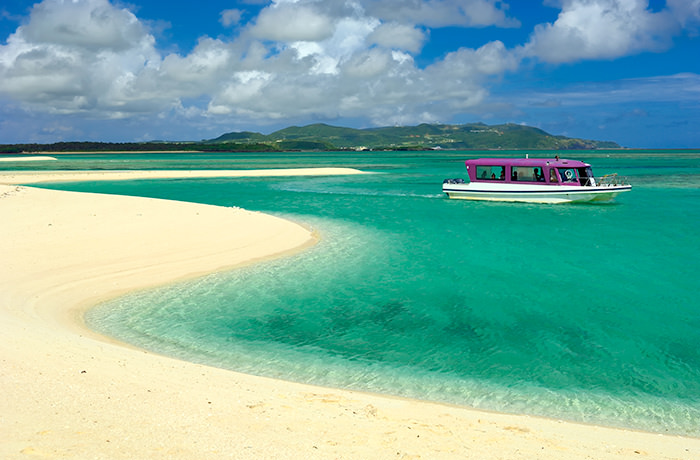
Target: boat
(534,180)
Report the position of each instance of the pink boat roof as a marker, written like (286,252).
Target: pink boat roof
(531,162)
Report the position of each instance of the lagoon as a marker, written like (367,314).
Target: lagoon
(584,312)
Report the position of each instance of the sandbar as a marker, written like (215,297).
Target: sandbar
(35,177)
(27,158)
(67,392)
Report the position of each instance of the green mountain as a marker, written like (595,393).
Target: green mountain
(422,137)
(322,137)
(244,136)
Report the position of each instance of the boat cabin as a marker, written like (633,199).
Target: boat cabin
(541,171)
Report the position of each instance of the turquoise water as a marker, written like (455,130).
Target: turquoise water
(581,312)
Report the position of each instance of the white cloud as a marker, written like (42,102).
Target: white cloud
(441,13)
(349,37)
(77,56)
(368,64)
(244,88)
(288,22)
(199,72)
(686,12)
(602,29)
(491,59)
(302,60)
(297,60)
(83,24)
(230,17)
(398,36)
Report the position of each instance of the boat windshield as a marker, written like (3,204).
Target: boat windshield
(568,175)
(586,175)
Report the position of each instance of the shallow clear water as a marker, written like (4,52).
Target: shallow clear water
(582,312)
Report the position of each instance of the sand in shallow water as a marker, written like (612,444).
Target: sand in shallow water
(66,392)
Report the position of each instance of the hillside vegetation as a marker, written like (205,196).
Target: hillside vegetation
(322,137)
(422,137)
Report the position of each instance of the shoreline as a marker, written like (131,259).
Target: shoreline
(27,158)
(68,392)
(36,177)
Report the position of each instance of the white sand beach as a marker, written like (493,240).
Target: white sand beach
(34,177)
(69,393)
(27,158)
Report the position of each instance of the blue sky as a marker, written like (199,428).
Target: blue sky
(621,70)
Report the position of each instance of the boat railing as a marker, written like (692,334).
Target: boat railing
(610,180)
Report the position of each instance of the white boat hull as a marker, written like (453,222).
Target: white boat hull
(533,193)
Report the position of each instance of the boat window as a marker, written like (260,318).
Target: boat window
(586,175)
(527,174)
(491,172)
(568,175)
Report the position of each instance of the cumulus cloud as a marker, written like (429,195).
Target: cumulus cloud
(180,77)
(78,56)
(441,13)
(289,22)
(491,59)
(301,59)
(398,36)
(686,12)
(605,29)
(85,24)
(297,58)
(230,17)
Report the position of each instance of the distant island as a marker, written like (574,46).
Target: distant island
(323,137)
